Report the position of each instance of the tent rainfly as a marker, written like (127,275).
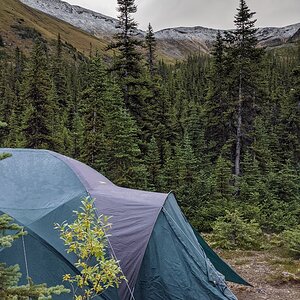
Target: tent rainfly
(159,253)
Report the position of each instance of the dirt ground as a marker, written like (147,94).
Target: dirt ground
(273,277)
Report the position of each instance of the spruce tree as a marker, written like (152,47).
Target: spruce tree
(217,107)
(60,101)
(37,131)
(251,184)
(14,136)
(288,129)
(187,175)
(127,63)
(58,75)
(153,164)
(94,104)
(127,66)
(222,179)
(124,164)
(169,169)
(244,63)
(151,47)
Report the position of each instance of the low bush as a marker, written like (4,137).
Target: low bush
(234,232)
(291,239)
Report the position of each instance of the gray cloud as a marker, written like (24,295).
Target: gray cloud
(208,13)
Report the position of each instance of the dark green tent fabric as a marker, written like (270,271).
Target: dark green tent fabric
(46,257)
(219,264)
(175,266)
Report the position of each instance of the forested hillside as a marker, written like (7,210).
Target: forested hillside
(221,130)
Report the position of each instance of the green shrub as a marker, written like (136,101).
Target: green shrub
(87,238)
(234,232)
(26,32)
(291,239)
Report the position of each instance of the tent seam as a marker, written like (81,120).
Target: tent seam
(73,169)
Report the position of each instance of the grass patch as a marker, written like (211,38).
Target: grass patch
(287,269)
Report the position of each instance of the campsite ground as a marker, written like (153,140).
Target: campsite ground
(273,276)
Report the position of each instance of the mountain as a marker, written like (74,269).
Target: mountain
(201,38)
(20,24)
(88,20)
(173,43)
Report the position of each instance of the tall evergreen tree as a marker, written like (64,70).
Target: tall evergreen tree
(15,121)
(60,101)
(151,46)
(37,129)
(124,164)
(288,129)
(127,63)
(94,105)
(59,79)
(153,164)
(218,110)
(245,60)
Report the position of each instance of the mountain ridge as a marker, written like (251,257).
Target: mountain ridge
(20,24)
(172,43)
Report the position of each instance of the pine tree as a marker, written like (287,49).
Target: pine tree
(127,63)
(288,129)
(251,183)
(153,164)
(76,82)
(124,163)
(217,107)
(14,137)
(94,105)
(60,101)
(245,59)
(151,47)
(187,174)
(169,168)
(222,179)
(37,131)
(7,97)
(59,79)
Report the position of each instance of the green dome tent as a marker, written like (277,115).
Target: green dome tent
(160,254)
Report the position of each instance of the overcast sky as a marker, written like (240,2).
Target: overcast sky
(208,13)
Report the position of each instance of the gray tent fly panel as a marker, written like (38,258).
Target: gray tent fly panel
(158,250)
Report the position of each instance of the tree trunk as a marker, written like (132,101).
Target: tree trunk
(239,130)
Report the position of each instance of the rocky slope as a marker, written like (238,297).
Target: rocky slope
(87,20)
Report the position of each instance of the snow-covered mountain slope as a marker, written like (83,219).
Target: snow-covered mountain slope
(172,42)
(199,38)
(87,20)
(273,36)
(21,24)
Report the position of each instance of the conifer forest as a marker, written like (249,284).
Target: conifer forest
(221,130)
